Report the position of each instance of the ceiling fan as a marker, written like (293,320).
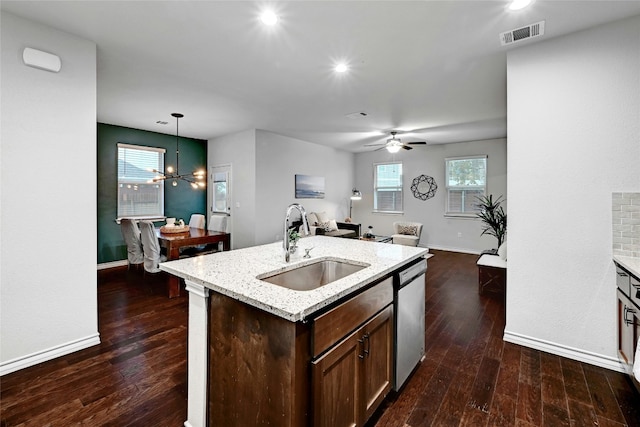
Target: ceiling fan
(393,144)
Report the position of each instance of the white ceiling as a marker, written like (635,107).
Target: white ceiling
(433,67)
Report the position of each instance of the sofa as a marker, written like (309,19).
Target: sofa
(320,224)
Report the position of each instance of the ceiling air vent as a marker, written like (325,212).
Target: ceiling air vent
(524,33)
(357,115)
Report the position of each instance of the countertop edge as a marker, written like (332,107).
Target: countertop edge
(632,264)
(305,312)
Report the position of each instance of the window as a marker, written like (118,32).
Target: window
(466,180)
(387,187)
(138,198)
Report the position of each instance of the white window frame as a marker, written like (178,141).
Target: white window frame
(483,187)
(396,188)
(140,181)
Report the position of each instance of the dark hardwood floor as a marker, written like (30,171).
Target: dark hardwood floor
(470,377)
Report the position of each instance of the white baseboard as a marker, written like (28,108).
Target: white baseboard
(448,249)
(112,264)
(48,354)
(600,360)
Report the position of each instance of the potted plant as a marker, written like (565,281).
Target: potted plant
(493,216)
(294,236)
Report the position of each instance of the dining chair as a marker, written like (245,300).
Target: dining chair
(197,221)
(151,247)
(218,222)
(131,235)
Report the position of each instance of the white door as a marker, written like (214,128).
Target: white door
(220,185)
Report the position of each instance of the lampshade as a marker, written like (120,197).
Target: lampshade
(356,194)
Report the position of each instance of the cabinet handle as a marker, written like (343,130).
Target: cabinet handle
(368,346)
(628,310)
(361,341)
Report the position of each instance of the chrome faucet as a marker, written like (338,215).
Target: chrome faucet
(285,234)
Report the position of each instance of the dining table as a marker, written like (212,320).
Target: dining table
(173,242)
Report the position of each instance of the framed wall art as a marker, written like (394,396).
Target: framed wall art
(309,187)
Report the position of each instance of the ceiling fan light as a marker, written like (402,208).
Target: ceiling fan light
(393,148)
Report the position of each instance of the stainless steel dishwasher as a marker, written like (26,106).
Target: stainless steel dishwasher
(409,296)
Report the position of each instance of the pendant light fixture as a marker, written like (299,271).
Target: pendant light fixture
(196,178)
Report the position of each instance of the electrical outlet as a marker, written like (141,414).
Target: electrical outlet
(459,234)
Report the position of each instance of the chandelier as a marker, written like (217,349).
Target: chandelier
(196,178)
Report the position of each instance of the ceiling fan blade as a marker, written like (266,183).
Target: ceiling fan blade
(375,145)
(406,147)
(417,143)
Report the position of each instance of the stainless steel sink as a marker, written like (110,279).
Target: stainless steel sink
(312,276)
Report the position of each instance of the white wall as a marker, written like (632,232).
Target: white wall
(439,232)
(574,138)
(48,303)
(264,165)
(279,159)
(237,150)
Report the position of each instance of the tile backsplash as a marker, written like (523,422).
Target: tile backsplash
(626,224)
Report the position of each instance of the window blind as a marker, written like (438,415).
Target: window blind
(466,180)
(387,192)
(137,196)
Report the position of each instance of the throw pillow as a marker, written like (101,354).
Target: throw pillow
(322,217)
(409,230)
(330,225)
(312,219)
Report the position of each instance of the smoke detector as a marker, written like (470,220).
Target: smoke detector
(523,33)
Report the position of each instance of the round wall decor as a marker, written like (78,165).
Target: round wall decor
(424,187)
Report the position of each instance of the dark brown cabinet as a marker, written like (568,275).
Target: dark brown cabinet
(333,369)
(628,319)
(628,330)
(352,379)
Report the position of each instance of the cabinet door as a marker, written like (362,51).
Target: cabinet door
(336,385)
(351,380)
(378,360)
(626,330)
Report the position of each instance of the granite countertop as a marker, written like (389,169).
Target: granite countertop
(632,264)
(233,273)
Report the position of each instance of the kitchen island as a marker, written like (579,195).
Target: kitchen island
(251,342)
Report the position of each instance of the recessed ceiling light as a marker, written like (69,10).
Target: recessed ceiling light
(341,68)
(519,4)
(269,18)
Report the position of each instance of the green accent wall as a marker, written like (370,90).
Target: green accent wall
(179,202)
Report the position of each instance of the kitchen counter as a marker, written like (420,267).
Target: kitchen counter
(230,278)
(632,264)
(234,273)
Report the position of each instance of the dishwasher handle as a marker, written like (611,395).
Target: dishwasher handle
(417,269)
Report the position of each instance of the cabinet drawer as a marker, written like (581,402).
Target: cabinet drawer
(331,326)
(622,280)
(634,290)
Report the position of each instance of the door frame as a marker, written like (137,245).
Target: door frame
(228,168)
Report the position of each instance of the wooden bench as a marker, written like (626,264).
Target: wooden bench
(492,274)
